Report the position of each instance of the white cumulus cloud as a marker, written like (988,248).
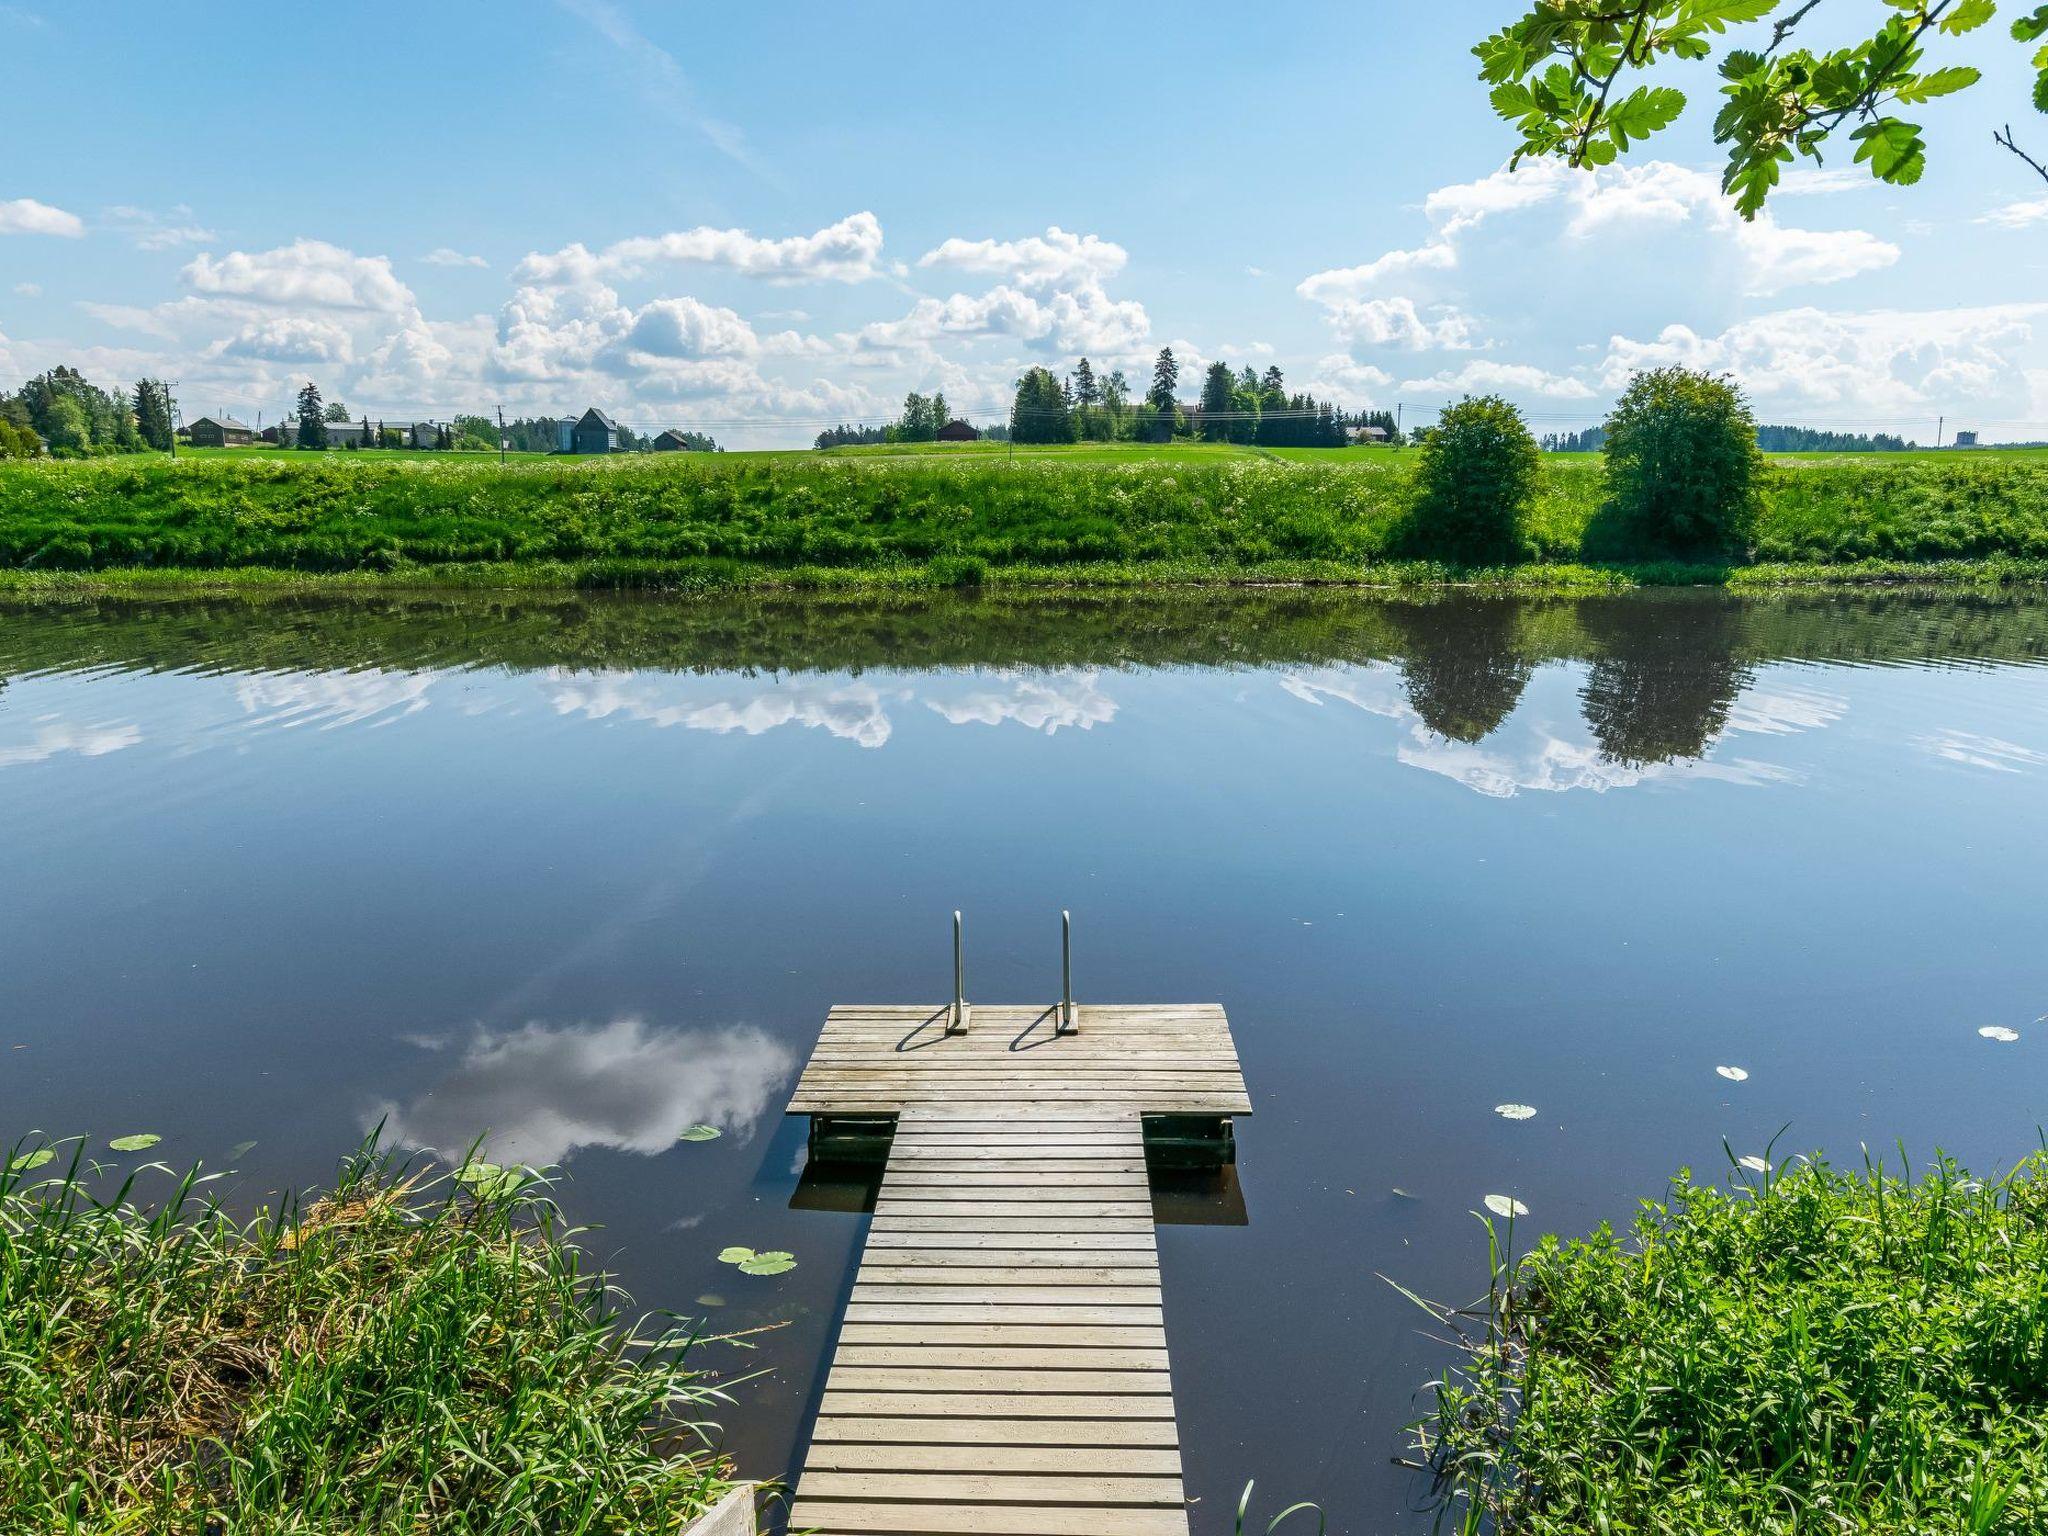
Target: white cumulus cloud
(26,216)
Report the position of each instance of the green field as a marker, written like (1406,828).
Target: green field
(900,516)
(385,455)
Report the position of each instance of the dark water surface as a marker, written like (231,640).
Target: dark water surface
(578,874)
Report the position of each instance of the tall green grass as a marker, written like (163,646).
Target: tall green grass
(1808,1350)
(714,521)
(410,1352)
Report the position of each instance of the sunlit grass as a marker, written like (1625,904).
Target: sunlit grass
(1806,1350)
(413,1351)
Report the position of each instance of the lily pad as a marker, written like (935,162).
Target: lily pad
(488,1181)
(1754,1163)
(1505,1205)
(138,1143)
(1999,1032)
(774,1262)
(700,1133)
(711,1299)
(28,1160)
(1515,1111)
(1734,1074)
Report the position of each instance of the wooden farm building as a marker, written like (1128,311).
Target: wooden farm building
(219,432)
(594,432)
(957,431)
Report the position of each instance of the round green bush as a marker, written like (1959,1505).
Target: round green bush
(1683,469)
(1474,480)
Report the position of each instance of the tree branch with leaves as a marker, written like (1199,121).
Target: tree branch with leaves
(1557,75)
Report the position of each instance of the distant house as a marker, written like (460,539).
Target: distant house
(672,441)
(342,434)
(594,432)
(1368,434)
(1966,439)
(278,433)
(219,432)
(957,431)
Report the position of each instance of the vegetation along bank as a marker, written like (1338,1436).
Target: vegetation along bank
(417,1350)
(1464,504)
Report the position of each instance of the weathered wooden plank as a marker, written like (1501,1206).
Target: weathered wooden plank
(1033,1357)
(832,1517)
(989,1405)
(863,1429)
(999,1312)
(1121,1461)
(970,1257)
(1001,1488)
(1094,1236)
(1033,1335)
(979,1276)
(1006,1381)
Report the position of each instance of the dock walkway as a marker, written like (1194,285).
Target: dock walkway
(1002,1367)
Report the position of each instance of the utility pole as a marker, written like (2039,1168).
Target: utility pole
(1940,422)
(171,410)
(501,434)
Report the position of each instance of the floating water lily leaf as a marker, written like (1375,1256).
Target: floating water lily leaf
(710,1299)
(240,1149)
(487,1181)
(1754,1163)
(1734,1074)
(1515,1111)
(28,1160)
(139,1143)
(1506,1205)
(700,1133)
(1999,1032)
(774,1262)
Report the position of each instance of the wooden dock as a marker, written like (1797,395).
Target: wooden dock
(1002,1368)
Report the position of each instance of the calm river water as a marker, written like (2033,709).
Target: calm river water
(574,875)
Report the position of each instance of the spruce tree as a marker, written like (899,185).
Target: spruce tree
(312,422)
(1165,382)
(1218,388)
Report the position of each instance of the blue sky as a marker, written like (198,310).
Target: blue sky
(758,219)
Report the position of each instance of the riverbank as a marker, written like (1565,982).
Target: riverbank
(816,523)
(413,1350)
(1808,1348)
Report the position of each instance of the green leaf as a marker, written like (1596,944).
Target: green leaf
(1643,111)
(1968,16)
(138,1143)
(700,1133)
(1512,100)
(1893,148)
(1939,82)
(28,1160)
(487,1181)
(1719,15)
(2026,28)
(768,1264)
(735,1255)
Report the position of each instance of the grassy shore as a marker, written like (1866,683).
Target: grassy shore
(409,1352)
(1809,1349)
(852,520)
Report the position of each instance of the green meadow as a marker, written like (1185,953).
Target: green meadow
(953,515)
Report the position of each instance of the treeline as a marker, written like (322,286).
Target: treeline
(923,416)
(1235,407)
(1768,440)
(1807,440)
(61,414)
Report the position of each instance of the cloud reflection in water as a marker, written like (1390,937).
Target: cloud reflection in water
(541,1092)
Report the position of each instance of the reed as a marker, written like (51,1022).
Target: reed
(415,1350)
(1811,1349)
